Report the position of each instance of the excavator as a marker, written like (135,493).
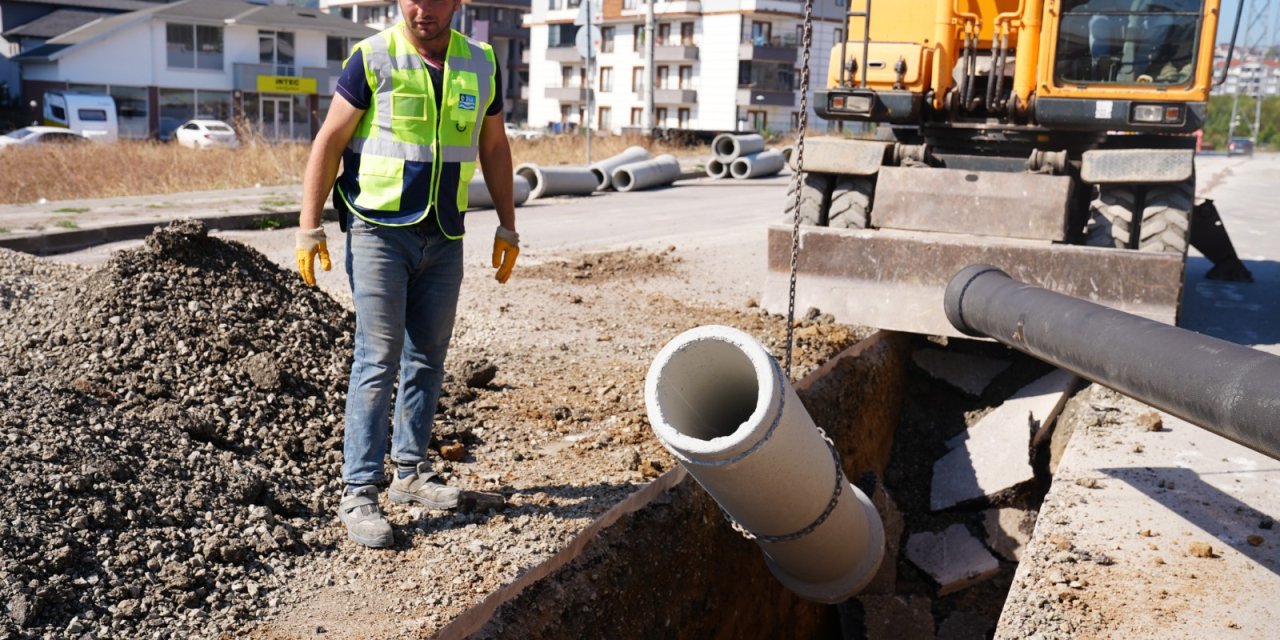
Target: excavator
(1053,139)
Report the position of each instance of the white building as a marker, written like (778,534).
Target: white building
(271,67)
(718,64)
(497,22)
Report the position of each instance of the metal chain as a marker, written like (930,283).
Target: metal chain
(799,180)
(826,513)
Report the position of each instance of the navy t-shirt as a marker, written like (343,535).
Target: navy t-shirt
(353,85)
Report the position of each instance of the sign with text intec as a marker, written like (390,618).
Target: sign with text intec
(286,84)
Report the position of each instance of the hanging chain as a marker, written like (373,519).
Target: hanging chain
(799,181)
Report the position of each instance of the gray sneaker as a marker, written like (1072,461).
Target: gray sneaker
(365,524)
(424,487)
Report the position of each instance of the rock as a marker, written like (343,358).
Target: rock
(1151,421)
(970,374)
(1201,550)
(453,452)
(263,371)
(23,610)
(1009,531)
(478,374)
(1254,540)
(954,558)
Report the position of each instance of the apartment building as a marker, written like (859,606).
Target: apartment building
(718,64)
(497,22)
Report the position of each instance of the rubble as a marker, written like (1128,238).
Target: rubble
(968,373)
(954,558)
(1009,530)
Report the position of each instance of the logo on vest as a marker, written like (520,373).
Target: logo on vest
(467,102)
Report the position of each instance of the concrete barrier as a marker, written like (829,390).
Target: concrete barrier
(478,192)
(604,169)
(757,165)
(659,172)
(545,182)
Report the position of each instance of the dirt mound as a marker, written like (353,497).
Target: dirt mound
(23,277)
(170,430)
(627,264)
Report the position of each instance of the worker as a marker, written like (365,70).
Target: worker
(415,106)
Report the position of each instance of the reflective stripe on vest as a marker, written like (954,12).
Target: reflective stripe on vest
(404,126)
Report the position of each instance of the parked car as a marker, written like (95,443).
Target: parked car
(1240,147)
(40,135)
(523,134)
(204,134)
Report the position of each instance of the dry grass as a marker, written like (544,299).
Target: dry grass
(128,168)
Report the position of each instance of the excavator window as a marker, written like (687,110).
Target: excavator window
(1129,42)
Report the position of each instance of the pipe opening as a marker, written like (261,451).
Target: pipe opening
(602,178)
(530,174)
(708,390)
(622,180)
(727,147)
(739,168)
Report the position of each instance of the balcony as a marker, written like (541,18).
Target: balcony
(568,53)
(566,94)
(749,97)
(675,53)
(675,96)
(246,77)
(750,50)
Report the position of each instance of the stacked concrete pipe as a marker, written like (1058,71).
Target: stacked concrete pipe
(757,165)
(717,169)
(545,182)
(604,169)
(658,172)
(720,404)
(478,192)
(728,146)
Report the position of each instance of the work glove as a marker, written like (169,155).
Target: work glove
(308,243)
(506,246)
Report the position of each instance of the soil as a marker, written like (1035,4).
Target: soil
(172,438)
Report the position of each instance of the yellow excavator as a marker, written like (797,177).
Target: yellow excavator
(1050,138)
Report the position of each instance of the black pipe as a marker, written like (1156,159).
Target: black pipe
(1229,389)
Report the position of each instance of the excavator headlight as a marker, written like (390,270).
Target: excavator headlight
(1148,113)
(852,104)
(1173,114)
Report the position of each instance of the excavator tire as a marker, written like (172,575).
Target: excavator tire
(1166,218)
(1112,216)
(850,203)
(815,192)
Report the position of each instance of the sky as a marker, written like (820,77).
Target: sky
(1229,18)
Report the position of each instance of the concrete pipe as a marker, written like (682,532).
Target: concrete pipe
(545,182)
(658,172)
(717,169)
(478,192)
(788,153)
(720,404)
(728,146)
(757,165)
(603,170)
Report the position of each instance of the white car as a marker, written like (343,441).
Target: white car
(40,135)
(205,134)
(522,134)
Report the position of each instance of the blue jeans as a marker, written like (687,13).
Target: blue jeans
(404,282)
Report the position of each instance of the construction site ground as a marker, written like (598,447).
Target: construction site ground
(559,429)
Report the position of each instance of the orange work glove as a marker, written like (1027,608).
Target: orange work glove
(506,246)
(309,243)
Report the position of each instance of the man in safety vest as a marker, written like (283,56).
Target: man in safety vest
(417,105)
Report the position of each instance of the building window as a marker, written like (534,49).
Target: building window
(664,34)
(660,78)
(606,79)
(193,47)
(560,35)
(637,79)
(686,77)
(637,38)
(276,48)
(660,117)
(566,113)
(605,115)
(759,120)
(500,15)
(682,117)
(637,116)
(686,34)
(795,120)
(761,33)
(839,36)
(566,77)
(606,39)
(337,50)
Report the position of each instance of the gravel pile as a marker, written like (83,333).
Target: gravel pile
(169,437)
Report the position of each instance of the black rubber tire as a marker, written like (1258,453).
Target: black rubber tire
(850,203)
(815,193)
(1112,217)
(1166,218)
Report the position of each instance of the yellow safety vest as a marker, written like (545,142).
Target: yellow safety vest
(405,160)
